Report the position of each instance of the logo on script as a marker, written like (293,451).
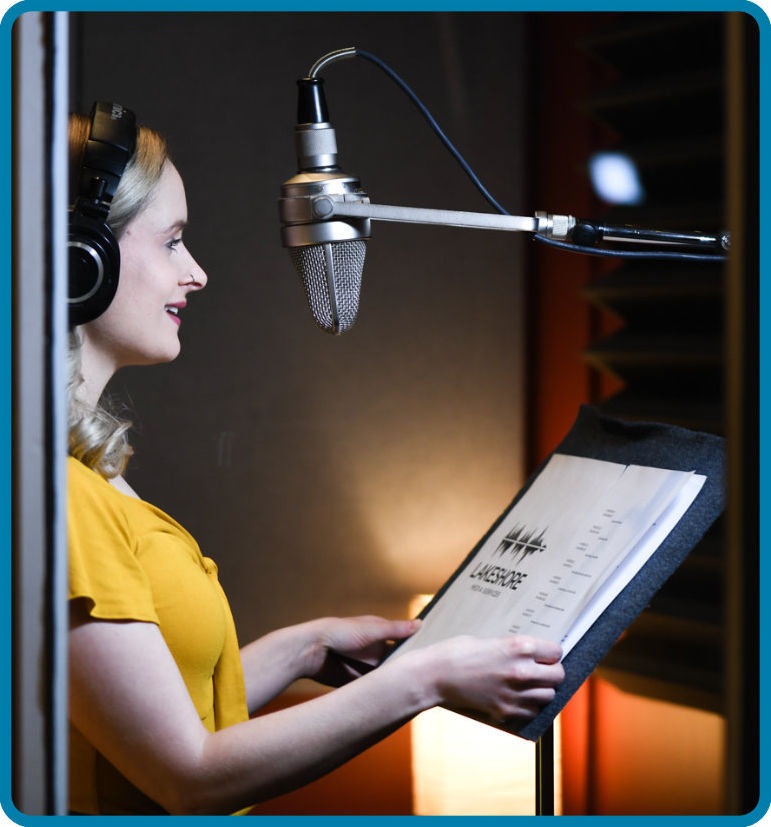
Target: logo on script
(521,542)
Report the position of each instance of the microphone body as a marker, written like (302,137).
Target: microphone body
(327,252)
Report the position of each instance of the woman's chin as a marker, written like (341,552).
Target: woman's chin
(158,357)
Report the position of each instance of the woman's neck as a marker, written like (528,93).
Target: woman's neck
(96,371)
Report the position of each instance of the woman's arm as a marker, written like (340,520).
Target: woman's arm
(272,662)
(128,699)
(308,650)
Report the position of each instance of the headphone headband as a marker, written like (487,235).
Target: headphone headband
(111,143)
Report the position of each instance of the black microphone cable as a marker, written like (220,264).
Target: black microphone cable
(564,245)
(606,251)
(435,126)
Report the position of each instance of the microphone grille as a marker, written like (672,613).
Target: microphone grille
(331,276)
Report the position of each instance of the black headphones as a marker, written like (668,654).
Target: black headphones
(94,255)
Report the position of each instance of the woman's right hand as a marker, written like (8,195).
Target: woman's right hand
(503,678)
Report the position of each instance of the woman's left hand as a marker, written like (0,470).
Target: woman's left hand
(340,642)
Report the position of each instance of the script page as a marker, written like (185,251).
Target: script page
(561,554)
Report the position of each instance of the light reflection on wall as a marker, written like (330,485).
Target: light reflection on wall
(422,520)
(425,455)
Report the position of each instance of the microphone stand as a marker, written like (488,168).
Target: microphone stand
(323,207)
(544,773)
(578,234)
(328,206)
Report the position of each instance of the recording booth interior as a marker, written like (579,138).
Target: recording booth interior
(351,473)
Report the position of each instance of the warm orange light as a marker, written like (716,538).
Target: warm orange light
(462,767)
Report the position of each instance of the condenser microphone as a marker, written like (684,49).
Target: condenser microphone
(327,252)
(325,215)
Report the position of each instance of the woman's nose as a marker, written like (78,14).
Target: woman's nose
(198,277)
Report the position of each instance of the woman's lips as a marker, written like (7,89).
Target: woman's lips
(172,311)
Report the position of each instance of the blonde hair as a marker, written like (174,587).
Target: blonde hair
(98,437)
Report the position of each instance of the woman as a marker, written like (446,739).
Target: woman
(160,694)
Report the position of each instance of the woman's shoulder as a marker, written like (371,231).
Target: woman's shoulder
(82,478)
(79,473)
(103,546)
(114,505)
(91,498)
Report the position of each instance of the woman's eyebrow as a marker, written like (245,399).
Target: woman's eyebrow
(177,225)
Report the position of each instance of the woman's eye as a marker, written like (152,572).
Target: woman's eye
(173,242)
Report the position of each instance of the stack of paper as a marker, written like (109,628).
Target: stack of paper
(562,553)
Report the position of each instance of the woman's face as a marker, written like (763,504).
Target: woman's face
(141,325)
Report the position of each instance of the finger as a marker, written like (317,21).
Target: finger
(539,650)
(365,633)
(543,651)
(537,696)
(404,628)
(551,653)
(549,675)
(516,715)
(379,629)
(526,712)
(527,705)
(540,675)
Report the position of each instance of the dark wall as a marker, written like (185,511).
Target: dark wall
(329,474)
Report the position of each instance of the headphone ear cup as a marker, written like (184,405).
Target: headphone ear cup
(94,265)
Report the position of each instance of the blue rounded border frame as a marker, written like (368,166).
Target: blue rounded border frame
(13,12)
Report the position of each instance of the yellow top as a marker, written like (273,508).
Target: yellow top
(131,561)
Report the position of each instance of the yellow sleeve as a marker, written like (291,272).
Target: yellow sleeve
(103,551)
